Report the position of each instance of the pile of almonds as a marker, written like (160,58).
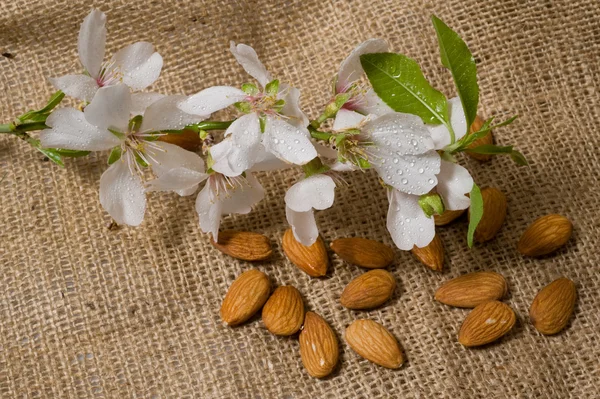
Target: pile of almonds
(284,313)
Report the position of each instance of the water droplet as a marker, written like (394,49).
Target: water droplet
(421,170)
(396,160)
(404,181)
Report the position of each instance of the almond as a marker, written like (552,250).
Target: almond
(470,290)
(375,343)
(188,139)
(553,306)
(283,313)
(494,213)
(447,216)
(318,346)
(432,255)
(245,297)
(545,235)
(363,252)
(243,245)
(487,139)
(486,323)
(312,260)
(369,290)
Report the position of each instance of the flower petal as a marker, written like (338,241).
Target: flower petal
(346,119)
(248,59)
(242,144)
(110,108)
(351,69)
(454,182)
(141,101)
(288,142)
(122,193)
(303,225)
(407,222)
(316,191)
(266,161)
(242,199)
(209,212)
(91,42)
(176,169)
(372,104)
(291,109)
(81,87)
(402,153)
(212,100)
(139,64)
(165,114)
(440,134)
(70,130)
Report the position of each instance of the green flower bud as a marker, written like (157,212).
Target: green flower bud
(431,204)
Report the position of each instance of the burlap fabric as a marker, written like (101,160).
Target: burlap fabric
(90,312)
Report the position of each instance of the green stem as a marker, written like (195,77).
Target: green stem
(451,131)
(6,128)
(317,134)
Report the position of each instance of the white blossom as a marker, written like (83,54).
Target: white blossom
(105,124)
(137,65)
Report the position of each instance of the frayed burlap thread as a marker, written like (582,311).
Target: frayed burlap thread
(90,312)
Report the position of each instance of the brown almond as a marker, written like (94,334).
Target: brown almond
(369,290)
(485,140)
(187,139)
(363,252)
(486,323)
(545,235)
(245,297)
(553,306)
(283,313)
(375,343)
(494,213)
(447,217)
(312,260)
(432,255)
(244,245)
(472,289)
(319,348)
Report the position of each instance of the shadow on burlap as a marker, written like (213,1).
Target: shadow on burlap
(133,313)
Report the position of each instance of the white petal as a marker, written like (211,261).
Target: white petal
(266,161)
(242,199)
(82,87)
(325,151)
(399,133)
(70,130)
(288,142)
(346,119)
(239,150)
(372,104)
(139,64)
(454,182)
(303,225)
(351,69)
(165,114)
(248,59)
(110,108)
(342,167)
(402,153)
(176,169)
(92,39)
(122,193)
(291,108)
(209,212)
(407,223)
(141,101)
(212,100)
(440,134)
(317,191)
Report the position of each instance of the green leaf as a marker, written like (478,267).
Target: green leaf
(491,149)
(52,155)
(71,153)
(53,102)
(272,88)
(518,158)
(475,212)
(115,155)
(458,59)
(399,82)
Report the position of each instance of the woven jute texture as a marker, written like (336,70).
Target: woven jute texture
(134,313)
